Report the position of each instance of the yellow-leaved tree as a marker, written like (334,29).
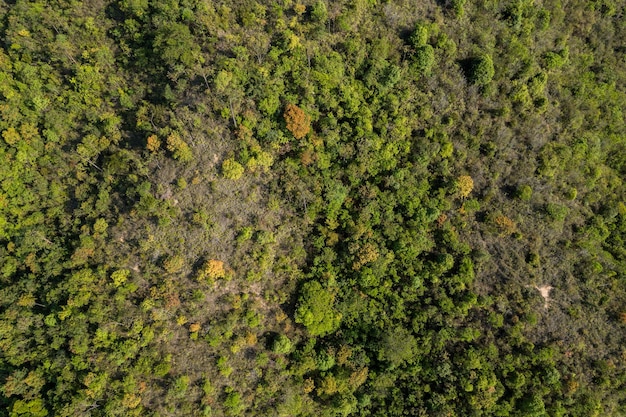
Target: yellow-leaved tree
(466,185)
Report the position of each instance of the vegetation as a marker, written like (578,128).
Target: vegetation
(482,70)
(316,208)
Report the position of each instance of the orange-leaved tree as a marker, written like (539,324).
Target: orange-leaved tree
(298,122)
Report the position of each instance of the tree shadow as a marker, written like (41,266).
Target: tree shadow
(467,66)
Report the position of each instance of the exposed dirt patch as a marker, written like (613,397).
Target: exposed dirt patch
(544,290)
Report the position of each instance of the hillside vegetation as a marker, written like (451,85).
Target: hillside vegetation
(317,208)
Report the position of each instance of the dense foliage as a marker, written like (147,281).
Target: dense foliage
(325,208)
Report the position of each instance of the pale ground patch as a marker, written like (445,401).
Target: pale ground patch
(544,290)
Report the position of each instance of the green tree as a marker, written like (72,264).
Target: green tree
(179,148)
(282,345)
(533,406)
(315,309)
(232,169)
(424,59)
(482,70)
(33,408)
(419,37)
(397,347)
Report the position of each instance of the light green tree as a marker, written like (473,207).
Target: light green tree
(482,70)
(315,309)
(232,169)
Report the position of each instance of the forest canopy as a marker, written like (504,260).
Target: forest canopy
(312,208)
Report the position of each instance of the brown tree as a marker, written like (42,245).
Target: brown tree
(298,122)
